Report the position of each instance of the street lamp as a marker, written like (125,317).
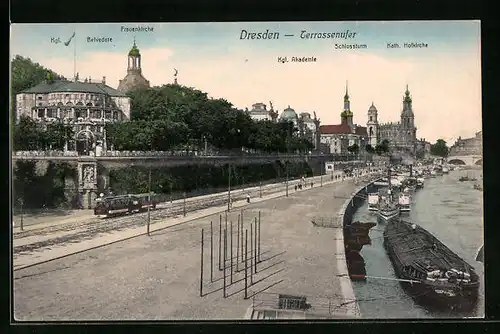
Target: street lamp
(21,202)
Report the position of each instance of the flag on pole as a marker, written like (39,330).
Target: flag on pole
(69,40)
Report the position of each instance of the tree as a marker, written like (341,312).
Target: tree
(26,74)
(354,148)
(440,148)
(369,148)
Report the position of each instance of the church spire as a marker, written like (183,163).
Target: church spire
(346,96)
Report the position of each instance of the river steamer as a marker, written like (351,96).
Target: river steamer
(388,211)
(429,270)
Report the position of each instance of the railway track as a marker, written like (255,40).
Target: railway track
(73,232)
(82,230)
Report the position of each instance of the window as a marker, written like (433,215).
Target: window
(41,113)
(371,118)
(40,97)
(50,113)
(67,96)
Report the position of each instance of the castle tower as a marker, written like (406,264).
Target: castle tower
(408,131)
(346,115)
(372,126)
(134,78)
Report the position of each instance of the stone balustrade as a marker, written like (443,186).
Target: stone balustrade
(179,153)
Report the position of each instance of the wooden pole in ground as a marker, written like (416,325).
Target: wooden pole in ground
(224,265)
(231,251)
(238,246)
(220,243)
(255,247)
(242,246)
(246,264)
(251,253)
(258,256)
(201,266)
(211,252)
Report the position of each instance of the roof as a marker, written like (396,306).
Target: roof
(134,52)
(289,113)
(361,130)
(335,129)
(71,86)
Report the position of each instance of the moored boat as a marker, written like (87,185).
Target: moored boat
(387,211)
(420,182)
(373,200)
(480,254)
(404,202)
(429,270)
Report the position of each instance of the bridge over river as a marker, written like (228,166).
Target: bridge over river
(468,160)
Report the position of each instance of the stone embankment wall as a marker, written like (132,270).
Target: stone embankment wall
(344,218)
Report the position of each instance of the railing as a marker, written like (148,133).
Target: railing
(186,153)
(331,306)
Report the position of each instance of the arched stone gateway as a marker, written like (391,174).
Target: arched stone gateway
(479,162)
(85,140)
(456,162)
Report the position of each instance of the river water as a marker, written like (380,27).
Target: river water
(449,209)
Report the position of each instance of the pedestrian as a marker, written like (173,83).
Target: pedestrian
(248,198)
(295,187)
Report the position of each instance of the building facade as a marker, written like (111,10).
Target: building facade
(87,106)
(260,112)
(338,138)
(134,78)
(402,135)
(468,146)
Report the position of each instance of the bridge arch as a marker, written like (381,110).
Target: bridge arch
(479,162)
(456,162)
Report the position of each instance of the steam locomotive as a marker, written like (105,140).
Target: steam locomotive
(124,204)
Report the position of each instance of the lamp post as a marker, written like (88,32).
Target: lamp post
(288,153)
(149,201)
(206,146)
(229,188)
(149,194)
(21,202)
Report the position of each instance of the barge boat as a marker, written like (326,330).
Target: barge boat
(430,271)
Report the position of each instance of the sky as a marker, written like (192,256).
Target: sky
(444,78)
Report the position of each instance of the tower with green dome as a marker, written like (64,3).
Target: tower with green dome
(134,78)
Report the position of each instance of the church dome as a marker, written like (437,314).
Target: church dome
(372,108)
(289,114)
(134,52)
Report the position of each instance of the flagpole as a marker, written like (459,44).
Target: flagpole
(74,55)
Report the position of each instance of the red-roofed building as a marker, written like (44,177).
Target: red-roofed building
(337,138)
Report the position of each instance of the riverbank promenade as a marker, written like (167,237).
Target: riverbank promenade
(157,277)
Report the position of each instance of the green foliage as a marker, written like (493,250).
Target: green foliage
(440,148)
(29,135)
(369,148)
(198,179)
(174,116)
(383,147)
(26,74)
(354,148)
(37,191)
